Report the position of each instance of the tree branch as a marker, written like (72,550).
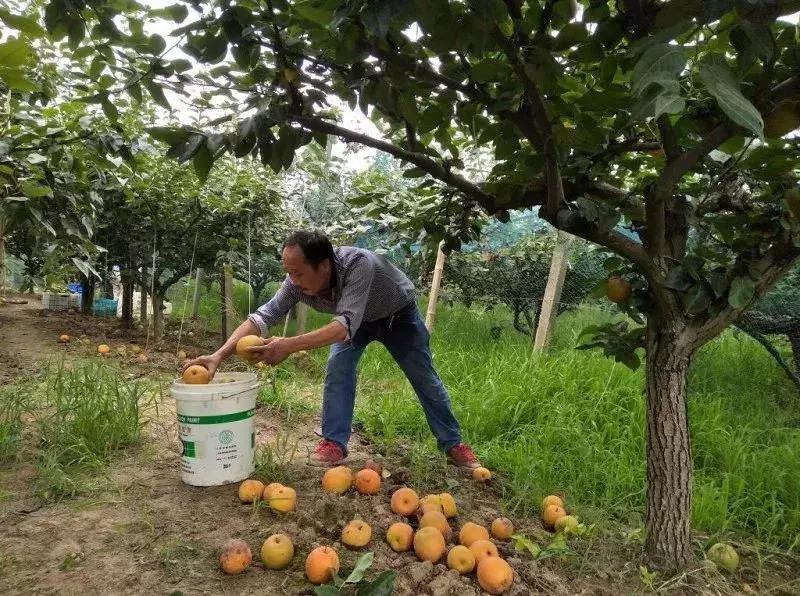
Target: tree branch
(420,160)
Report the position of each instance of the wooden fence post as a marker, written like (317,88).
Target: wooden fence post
(552,292)
(196,299)
(436,284)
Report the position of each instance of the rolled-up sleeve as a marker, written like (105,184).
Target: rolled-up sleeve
(270,313)
(352,303)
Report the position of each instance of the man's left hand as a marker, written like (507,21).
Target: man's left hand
(274,351)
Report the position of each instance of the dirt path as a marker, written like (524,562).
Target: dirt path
(145,532)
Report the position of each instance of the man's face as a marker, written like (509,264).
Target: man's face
(309,279)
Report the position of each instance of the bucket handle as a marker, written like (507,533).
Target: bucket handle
(241,392)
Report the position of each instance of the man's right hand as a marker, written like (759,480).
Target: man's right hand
(211,362)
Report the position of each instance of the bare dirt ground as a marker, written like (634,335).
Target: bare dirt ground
(143,531)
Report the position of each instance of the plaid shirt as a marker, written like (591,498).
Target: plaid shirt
(368,288)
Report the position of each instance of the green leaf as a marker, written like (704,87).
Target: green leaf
(364,562)
(157,94)
(383,585)
(35,190)
(319,16)
(20,23)
(490,69)
(407,104)
(719,80)
(202,162)
(14,52)
(16,79)
(326,590)
(668,103)
(110,110)
(697,299)
(524,543)
(178,12)
(742,292)
(414,173)
(660,64)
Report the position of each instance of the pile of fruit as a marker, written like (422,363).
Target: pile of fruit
(474,551)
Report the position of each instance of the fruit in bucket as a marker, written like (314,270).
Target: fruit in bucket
(196,375)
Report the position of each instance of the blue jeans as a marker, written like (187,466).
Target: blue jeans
(408,341)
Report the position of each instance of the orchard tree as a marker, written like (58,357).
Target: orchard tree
(665,116)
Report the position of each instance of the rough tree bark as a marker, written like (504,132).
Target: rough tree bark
(127,297)
(158,315)
(669,457)
(2,260)
(794,340)
(87,294)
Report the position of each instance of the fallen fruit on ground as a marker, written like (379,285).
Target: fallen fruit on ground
(251,490)
(321,564)
(482,549)
(495,575)
(552,500)
(502,528)
(63,339)
(269,489)
(122,350)
(404,501)
(356,534)
(449,507)
(103,349)
(566,524)
(277,551)
(142,358)
(196,375)
(235,556)
(429,544)
(283,499)
(724,556)
(472,532)
(248,341)
(400,537)
(367,482)
(337,480)
(551,515)
(618,289)
(481,474)
(461,559)
(182,355)
(436,519)
(135,349)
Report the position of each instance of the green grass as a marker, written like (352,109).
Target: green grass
(573,421)
(85,415)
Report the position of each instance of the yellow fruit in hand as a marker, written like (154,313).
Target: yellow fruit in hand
(196,375)
(248,341)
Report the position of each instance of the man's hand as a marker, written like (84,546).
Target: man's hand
(211,362)
(274,351)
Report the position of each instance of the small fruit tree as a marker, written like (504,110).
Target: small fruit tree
(662,116)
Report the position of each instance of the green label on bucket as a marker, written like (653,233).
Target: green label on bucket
(220,419)
(188,449)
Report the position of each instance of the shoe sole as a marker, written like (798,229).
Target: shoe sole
(466,467)
(315,463)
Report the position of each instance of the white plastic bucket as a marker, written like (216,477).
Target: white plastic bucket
(217,428)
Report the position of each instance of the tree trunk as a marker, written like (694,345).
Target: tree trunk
(158,316)
(794,340)
(223,301)
(127,298)
(2,261)
(143,305)
(196,300)
(436,285)
(87,294)
(669,457)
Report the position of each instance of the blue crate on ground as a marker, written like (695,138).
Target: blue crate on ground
(105,307)
(74,288)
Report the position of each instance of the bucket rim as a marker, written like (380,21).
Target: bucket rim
(241,380)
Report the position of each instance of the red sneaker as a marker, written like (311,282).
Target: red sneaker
(462,456)
(327,453)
